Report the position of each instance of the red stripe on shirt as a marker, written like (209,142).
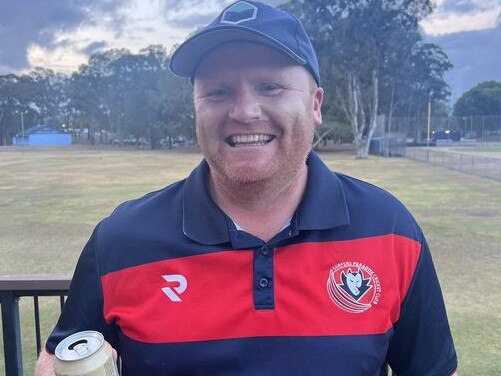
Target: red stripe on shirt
(218,301)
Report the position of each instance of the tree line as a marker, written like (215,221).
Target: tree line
(482,100)
(118,92)
(374,61)
(372,57)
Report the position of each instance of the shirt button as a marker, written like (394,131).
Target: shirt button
(265,251)
(263,282)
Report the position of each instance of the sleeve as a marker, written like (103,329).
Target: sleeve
(83,309)
(422,343)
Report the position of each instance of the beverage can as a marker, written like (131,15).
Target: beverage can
(85,354)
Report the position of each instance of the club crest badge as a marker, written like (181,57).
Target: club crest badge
(353,286)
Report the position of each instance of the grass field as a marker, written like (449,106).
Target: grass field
(481,149)
(50,200)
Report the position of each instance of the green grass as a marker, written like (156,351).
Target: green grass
(50,199)
(480,149)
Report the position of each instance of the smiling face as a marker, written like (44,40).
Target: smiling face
(256,110)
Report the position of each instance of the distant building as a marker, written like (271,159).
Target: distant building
(43,135)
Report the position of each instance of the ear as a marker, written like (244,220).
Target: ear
(317,106)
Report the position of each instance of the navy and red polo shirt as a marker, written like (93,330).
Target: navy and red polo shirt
(347,288)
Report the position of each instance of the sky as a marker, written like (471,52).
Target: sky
(469,31)
(62,34)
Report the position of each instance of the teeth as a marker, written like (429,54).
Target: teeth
(250,138)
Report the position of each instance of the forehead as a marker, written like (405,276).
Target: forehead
(242,57)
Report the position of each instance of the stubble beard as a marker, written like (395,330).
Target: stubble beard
(277,174)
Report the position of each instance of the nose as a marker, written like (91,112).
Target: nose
(245,107)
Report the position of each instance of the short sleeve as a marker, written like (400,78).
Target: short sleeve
(83,309)
(422,343)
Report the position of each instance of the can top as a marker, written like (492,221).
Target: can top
(79,345)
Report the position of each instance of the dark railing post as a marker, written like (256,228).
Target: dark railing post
(12,287)
(37,324)
(11,334)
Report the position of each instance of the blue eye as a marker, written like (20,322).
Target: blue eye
(269,88)
(218,94)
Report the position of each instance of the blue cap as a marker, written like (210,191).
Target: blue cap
(248,21)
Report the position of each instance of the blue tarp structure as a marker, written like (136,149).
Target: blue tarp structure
(42,135)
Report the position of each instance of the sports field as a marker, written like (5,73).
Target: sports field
(50,200)
(496,149)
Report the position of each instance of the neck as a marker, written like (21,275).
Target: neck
(260,208)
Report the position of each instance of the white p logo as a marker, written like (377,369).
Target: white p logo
(179,289)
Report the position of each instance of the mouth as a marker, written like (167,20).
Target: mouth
(240,140)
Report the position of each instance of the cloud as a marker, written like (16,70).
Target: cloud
(38,23)
(190,14)
(469,31)
(462,6)
(94,47)
(62,34)
(468,5)
(453,16)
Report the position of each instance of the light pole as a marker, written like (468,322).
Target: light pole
(429,124)
(22,125)
(429,119)
(22,113)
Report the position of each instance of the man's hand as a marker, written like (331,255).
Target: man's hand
(45,364)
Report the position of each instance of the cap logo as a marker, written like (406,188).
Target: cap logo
(239,12)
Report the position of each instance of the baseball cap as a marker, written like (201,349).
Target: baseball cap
(248,21)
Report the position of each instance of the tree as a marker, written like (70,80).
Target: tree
(482,100)
(134,95)
(366,51)
(48,95)
(97,95)
(7,101)
(15,105)
(428,64)
(158,103)
(37,97)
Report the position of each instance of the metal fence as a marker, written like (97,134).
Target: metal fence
(477,128)
(12,288)
(480,128)
(470,163)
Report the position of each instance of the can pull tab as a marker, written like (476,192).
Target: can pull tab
(80,347)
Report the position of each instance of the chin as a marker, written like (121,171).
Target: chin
(244,174)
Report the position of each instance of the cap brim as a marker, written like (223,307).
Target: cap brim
(186,58)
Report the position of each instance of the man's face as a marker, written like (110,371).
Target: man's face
(256,110)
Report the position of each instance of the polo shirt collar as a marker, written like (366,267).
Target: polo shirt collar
(203,221)
(323,205)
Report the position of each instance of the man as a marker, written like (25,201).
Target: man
(263,261)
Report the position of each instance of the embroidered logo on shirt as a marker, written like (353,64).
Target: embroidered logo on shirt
(173,293)
(353,286)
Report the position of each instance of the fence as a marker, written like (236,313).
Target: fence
(12,288)
(478,128)
(470,163)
